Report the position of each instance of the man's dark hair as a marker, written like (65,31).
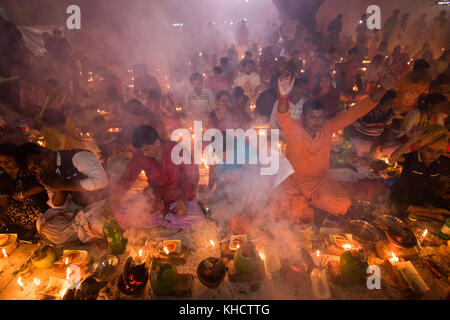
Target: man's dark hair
(238,91)
(339,16)
(431,99)
(99,120)
(217,71)
(300,81)
(222,93)
(248,54)
(144,135)
(8,149)
(223,61)
(312,104)
(421,64)
(25,150)
(196,76)
(353,50)
(388,96)
(246,62)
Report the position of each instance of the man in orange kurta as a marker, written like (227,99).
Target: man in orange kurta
(308,150)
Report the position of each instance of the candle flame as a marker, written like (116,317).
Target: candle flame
(19,281)
(4,253)
(347,246)
(425,233)
(166,250)
(212,243)
(66,261)
(394,257)
(204,162)
(62,293)
(355,88)
(318,253)
(386,160)
(262,256)
(237,246)
(68,272)
(40,143)
(36,282)
(140,253)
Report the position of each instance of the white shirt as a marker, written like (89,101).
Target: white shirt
(248,82)
(88,164)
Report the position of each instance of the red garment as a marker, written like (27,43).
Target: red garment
(170,182)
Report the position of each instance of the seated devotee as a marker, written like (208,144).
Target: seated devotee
(308,150)
(441,85)
(375,72)
(217,82)
(179,84)
(75,172)
(224,116)
(327,94)
(241,195)
(22,198)
(144,82)
(169,199)
(249,80)
(371,134)
(398,62)
(296,100)
(198,103)
(169,114)
(424,183)
(411,86)
(136,114)
(55,134)
(430,110)
(76,184)
(265,102)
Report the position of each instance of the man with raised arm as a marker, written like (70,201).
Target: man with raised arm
(308,150)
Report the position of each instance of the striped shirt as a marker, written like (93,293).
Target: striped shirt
(195,104)
(374,123)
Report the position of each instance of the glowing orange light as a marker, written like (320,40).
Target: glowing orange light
(166,250)
(4,253)
(425,233)
(212,243)
(20,282)
(347,246)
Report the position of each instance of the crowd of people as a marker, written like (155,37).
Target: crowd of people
(76,134)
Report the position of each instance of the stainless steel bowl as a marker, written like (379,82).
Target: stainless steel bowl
(363,232)
(105,267)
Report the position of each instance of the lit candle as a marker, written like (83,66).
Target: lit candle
(252,107)
(36,282)
(424,234)
(166,251)
(20,283)
(206,165)
(347,246)
(5,255)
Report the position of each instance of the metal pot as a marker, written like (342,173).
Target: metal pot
(364,232)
